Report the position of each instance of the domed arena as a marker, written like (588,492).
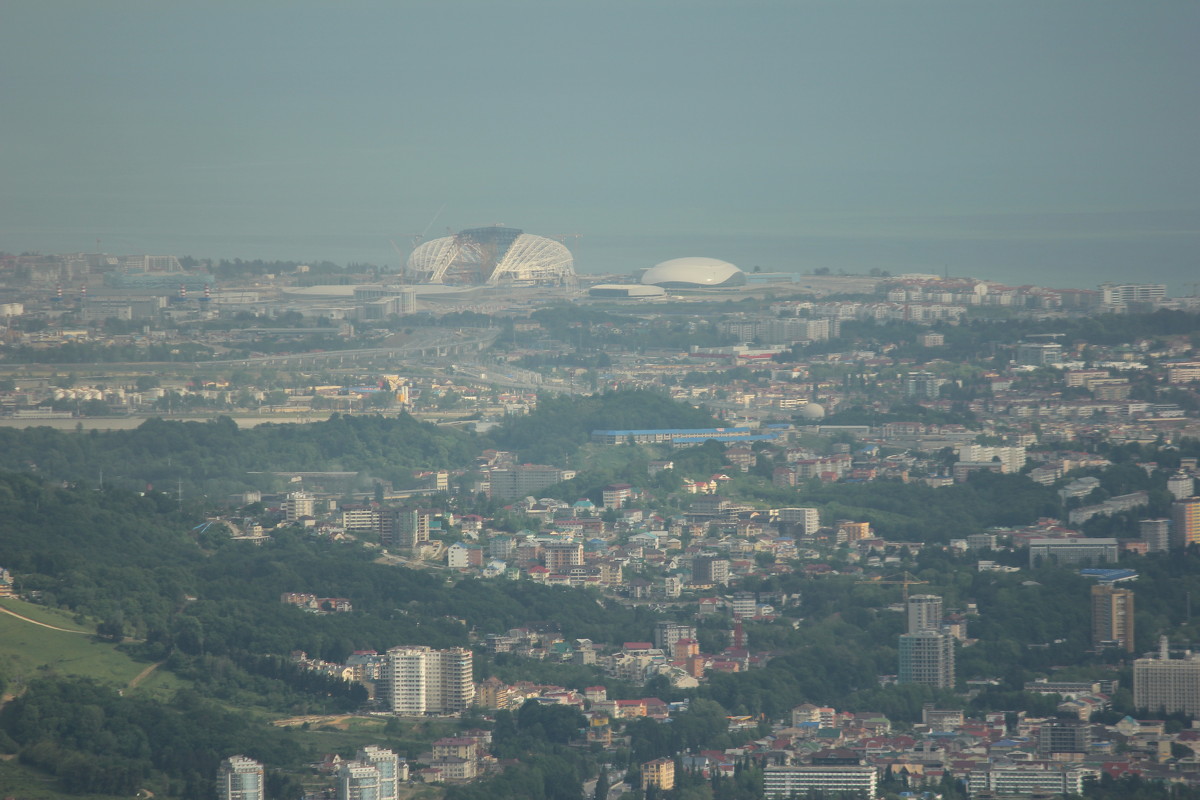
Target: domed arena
(491,256)
(812,412)
(694,272)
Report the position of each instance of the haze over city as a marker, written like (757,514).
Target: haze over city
(624,400)
(1019,141)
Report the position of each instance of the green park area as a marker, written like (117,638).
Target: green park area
(40,641)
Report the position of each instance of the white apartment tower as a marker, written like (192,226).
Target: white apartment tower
(924,613)
(419,680)
(240,778)
(1181,485)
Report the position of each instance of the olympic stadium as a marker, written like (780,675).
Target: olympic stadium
(492,256)
(694,273)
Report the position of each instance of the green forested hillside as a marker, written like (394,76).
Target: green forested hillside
(914,511)
(216,457)
(561,425)
(208,609)
(133,561)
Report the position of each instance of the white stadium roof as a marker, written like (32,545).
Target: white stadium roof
(491,256)
(694,272)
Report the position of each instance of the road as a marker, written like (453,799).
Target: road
(43,624)
(424,342)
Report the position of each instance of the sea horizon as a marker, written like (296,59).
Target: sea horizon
(1017,250)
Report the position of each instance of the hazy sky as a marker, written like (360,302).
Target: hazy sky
(1034,135)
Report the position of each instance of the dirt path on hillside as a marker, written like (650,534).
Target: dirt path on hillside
(43,624)
(336,720)
(141,676)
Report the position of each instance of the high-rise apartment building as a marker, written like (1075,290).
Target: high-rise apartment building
(927,657)
(809,519)
(659,773)
(1122,294)
(240,778)
(358,781)
(925,385)
(1112,618)
(360,518)
(616,495)
(837,781)
(419,680)
(1156,533)
(1185,521)
(391,769)
(667,633)
(561,556)
(1181,485)
(1039,354)
(709,569)
(1012,458)
(924,613)
(1169,684)
(1026,780)
(1063,737)
(510,483)
(299,504)
(744,605)
(404,527)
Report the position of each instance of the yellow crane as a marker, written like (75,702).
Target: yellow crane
(904,579)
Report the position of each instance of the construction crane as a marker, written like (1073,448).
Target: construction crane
(904,579)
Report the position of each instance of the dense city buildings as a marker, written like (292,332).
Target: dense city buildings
(760,460)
